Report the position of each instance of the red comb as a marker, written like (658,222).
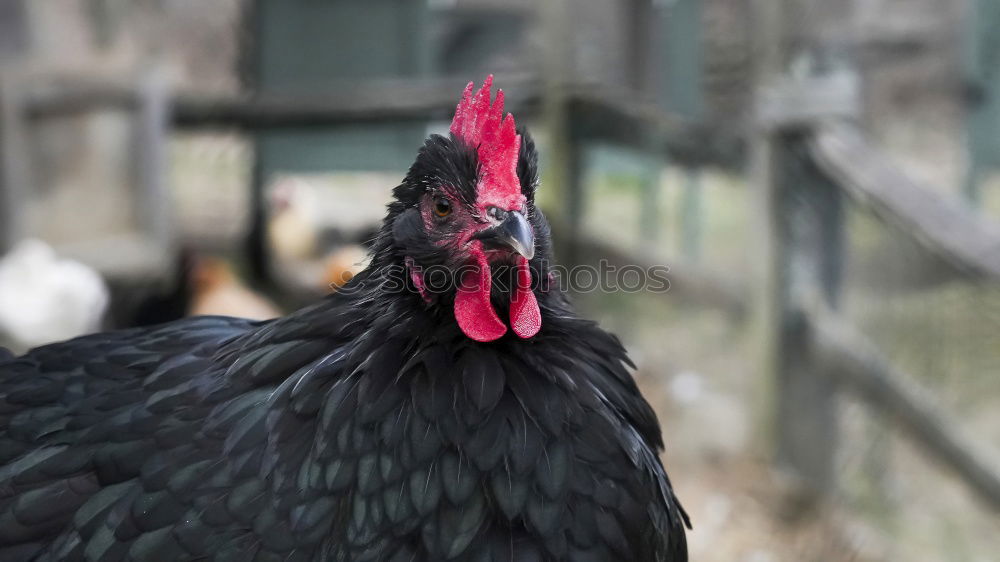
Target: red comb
(483,125)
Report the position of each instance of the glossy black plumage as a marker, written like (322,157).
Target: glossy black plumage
(364,427)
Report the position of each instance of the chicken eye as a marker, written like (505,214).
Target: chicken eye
(442,207)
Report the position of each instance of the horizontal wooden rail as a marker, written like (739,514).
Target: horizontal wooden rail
(597,114)
(618,117)
(954,233)
(367,101)
(858,365)
(688,281)
(355,101)
(65,98)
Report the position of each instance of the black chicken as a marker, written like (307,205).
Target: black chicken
(397,420)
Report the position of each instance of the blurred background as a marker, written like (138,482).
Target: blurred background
(822,178)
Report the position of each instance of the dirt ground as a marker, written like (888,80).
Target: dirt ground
(893,502)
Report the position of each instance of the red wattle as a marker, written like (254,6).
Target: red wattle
(525,317)
(473,310)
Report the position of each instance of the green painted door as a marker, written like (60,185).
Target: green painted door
(982,63)
(312,46)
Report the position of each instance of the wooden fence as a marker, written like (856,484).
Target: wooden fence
(809,159)
(821,352)
(811,166)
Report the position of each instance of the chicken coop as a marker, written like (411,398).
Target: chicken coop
(827,350)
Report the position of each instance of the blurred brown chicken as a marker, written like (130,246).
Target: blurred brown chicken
(293,228)
(342,264)
(218,291)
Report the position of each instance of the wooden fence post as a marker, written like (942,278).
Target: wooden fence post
(14,171)
(650,189)
(684,94)
(561,197)
(802,220)
(152,124)
(691,215)
(807,241)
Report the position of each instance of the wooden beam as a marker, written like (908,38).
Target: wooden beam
(354,101)
(797,102)
(806,217)
(801,223)
(150,150)
(689,282)
(857,364)
(955,233)
(15,173)
(563,173)
(15,31)
(615,116)
(593,113)
(639,26)
(769,52)
(692,214)
(358,102)
(61,97)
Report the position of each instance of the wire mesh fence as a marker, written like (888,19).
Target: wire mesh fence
(941,326)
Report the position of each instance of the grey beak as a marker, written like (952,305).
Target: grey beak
(514,233)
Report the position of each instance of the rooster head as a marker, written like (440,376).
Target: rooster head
(464,223)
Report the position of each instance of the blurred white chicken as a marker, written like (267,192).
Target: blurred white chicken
(294,227)
(44,299)
(217,290)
